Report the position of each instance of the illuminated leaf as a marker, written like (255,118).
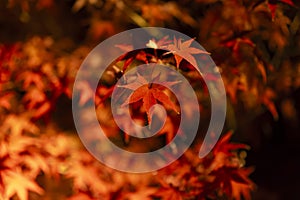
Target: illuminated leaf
(185,50)
(149,94)
(18,184)
(18,124)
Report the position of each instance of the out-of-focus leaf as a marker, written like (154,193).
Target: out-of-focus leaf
(268,101)
(5,100)
(18,184)
(224,146)
(16,125)
(289,2)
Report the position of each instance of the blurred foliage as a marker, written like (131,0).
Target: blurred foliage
(255,45)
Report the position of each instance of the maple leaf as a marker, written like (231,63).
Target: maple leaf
(35,163)
(236,43)
(185,50)
(18,124)
(33,97)
(4,100)
(261,68)
(131,56)
(289,2)
(86,177)
(273,8)
(241,190)
(160,44)
(149,94)
(5,164)
(42,110)
(224,146)
(19,143)
(30,78)
(235,181)
(6,53)
(17,183)
(267,100)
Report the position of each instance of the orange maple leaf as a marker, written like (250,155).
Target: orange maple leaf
(235,182)
(16,125)
(226,147)
(5,100)
(29,78)
(16,183)
(149,93)
(184,50)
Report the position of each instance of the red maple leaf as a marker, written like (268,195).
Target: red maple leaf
(226,147)
(234,182)
(289,2)
(130,55)
(184,50)
(236,43)
(272,8)
(149,93)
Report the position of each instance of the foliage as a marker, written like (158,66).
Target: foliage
(254,44)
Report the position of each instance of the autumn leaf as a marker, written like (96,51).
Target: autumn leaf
(34,97)
(17,144)
(160,44)
(268,100)
(236,43)
(86,178)
(29,78)
(130,56)
(18,124)
(240,190)
(273,8)
(17,183)
(35,163)
(42,110)
(224,146)
(235,181)
(185,50)
(289,2)
(6,54)
(262,70)
(149,93)
(5,100)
